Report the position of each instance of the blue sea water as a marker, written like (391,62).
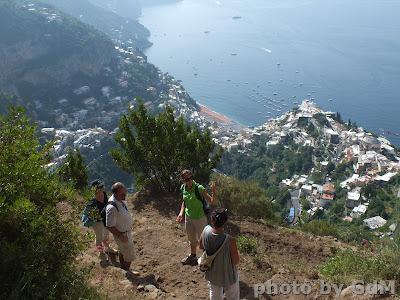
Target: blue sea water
(235,55)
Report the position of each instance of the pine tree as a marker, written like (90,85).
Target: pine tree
(156,148)
(74,170)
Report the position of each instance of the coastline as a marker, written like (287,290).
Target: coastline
(214,116)
(361,111)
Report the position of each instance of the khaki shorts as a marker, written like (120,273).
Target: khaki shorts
(126,249)
(101,233)
(194,228)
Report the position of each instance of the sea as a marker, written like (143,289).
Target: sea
(252,60)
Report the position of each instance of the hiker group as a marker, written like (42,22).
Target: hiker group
(204,228)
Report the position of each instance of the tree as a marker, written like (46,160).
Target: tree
(22,160)
(155,149)
(317,177)
(330,167)
(283,198)
(243,198)
(322,120)
(305,204)
(377,208)
(38,246)
(74,170)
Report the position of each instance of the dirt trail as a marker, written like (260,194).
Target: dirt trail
(284,255)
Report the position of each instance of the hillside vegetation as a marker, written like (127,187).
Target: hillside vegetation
(63,70)
(38,242)
(44,55)
(45,254)
(76,78)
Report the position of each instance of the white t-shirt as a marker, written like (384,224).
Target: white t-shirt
(121,218)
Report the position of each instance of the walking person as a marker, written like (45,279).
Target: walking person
(193,209)
(92,218)
(119,221)
(222,276)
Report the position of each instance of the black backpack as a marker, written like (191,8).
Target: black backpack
(103,213)
(206,207)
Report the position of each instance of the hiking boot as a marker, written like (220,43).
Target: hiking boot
(111,250)
(131,272)
(190,260)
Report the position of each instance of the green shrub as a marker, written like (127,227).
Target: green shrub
(243,198)
(354,233)
(306,205)
(348,266)
(268,165)
(38,242)
(322,120)
(320,227)
(247,244)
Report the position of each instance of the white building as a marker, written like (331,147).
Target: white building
(306,190)
(353,198)
(358,211)
(375,222)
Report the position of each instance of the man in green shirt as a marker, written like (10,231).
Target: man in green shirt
(192,208)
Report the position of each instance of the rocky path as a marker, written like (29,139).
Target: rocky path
(283,255)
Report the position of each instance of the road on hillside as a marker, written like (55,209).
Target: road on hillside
(295,195)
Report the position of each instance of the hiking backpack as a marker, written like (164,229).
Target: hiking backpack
(206,206)
(85,218)
(103,213)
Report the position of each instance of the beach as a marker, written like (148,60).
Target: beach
(214,116)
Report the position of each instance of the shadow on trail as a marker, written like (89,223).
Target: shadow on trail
(168,205)
(112,261)
(246,291)
(137,280)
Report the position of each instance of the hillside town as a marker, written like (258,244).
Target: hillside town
(369,158)
(372,158)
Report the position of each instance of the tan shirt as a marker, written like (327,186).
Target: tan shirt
(121,219)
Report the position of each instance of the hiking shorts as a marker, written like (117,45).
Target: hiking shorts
(194,228)
(126,248)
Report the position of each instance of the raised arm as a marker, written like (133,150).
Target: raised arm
(213,198)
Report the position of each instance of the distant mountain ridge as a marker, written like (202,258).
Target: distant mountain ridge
(47,56)
(72,77)
(121,28)
(128,8)
(43,51)
(125,8)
